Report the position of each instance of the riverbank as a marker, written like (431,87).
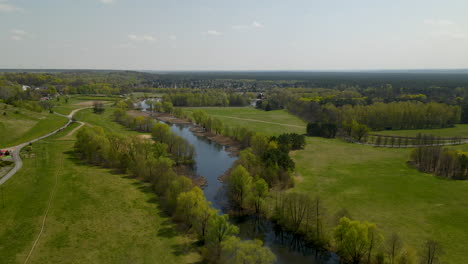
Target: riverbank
(232,146)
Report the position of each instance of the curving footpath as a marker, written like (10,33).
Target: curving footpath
(17,149)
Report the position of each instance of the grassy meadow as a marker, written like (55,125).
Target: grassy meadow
(19,125)
(95,216)
(104,120)
(269,123)
(75,102)
(457,131)
(377,185)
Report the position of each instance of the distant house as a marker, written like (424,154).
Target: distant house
(25,87)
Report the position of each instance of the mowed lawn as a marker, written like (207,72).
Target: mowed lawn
(269,123)
(457,131)
(377,185)
(20,125)
(95,216)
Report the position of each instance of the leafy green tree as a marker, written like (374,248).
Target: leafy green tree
(188,204)
(167,107)
(359,131)
(355,240)
(239,185)
(259,193)
(179,185)
(219,230)
(236,251)
(161,132)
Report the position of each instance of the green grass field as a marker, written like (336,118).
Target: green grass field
(95,216)
(103,120)
(457,131)
(377,185)
(75,102)
(24,125)
(269,123)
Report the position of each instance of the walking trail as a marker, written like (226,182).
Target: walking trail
(17,149)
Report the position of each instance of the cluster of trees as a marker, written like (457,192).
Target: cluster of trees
(206,97)
(326,130)
(181,151)
(443,162)
(380,116)
(151,162)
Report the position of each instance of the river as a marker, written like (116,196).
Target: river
(212,160)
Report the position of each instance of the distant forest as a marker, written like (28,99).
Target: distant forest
(379,100)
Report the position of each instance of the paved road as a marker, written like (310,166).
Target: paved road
(17,149)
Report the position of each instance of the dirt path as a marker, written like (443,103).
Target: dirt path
(49,205)
(70,134)
(17,149)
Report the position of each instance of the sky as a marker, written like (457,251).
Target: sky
(234,34)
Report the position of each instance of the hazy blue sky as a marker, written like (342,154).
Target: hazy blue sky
(234,35)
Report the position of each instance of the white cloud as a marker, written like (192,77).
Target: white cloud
(172,37)
(443,28)
(18,34)
(125,46)
(240,27)
(438,22)
(256,24)
(107,1)
(16,37)
(8,8)
(212,33)
(456,34)
(142,38)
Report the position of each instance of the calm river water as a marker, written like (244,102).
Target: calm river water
(212,160)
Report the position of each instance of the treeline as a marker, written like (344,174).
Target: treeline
(181,151)
(150,161)
(443,162)
(206,97)
(380,116)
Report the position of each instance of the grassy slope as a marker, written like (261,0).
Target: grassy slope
(457,131)
(375,184)
(103,120)
(96,216)
(74,103)
(278,116)
(26,125)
